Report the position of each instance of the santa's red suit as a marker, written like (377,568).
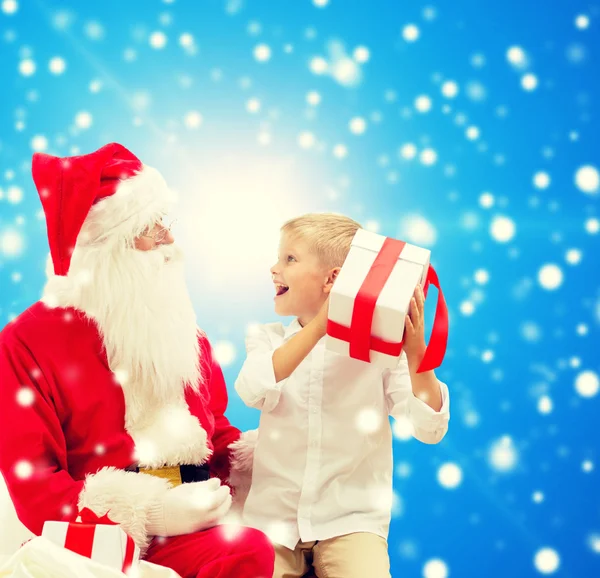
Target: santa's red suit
(108,377)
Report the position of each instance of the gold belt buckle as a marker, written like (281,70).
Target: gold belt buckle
(171,473)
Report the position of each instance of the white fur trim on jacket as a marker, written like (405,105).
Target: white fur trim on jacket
(170,435)
(126,497)
(240,473)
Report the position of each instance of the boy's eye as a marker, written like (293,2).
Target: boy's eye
(291,258)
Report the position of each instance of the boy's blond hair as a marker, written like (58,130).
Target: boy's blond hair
(329,235)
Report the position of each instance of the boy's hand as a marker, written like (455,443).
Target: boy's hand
(414,329)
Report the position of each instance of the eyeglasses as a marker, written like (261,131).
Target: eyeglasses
(161,234)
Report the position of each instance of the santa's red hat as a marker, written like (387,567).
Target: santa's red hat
(108,192)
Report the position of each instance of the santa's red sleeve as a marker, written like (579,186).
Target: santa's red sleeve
(233,450)
(33,456)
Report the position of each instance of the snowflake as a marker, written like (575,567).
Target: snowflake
(262,53)
(587,179)
(450,89)
(25,396)
(573,256)
(57,65)
(503,455)
(546,561)
(449,475)
(23,469)
(368,420)
(14,194)
(502,229)
(10,7)
(264,138)
(587,383)
(67,510)
(423,103)
(529,82)
(472,133)
(402,428)
(345,71)
(313,98)
(435,568)
(411,33)
(408,151)
(418,230)
(94,30)
(253,105)
(27,67)
(306,140)
(550,276)
(361,54)
(83,120)
(158,40)
(340,151)
(582,21)
(121,376)
(11,243)
(224,352)
(481,276)
(517,57)
(193,120)
(428,157)
(39,143)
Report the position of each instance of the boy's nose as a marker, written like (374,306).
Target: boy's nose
(274,269)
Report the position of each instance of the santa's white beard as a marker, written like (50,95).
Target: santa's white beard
(141,305)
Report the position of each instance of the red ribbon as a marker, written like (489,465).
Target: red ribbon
(80,536)
(359,333)
(90,517)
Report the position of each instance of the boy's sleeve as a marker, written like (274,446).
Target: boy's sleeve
(256,383)
(429,426)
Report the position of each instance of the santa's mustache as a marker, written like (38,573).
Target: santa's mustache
(161,255)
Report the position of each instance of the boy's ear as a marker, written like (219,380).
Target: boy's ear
(331,277)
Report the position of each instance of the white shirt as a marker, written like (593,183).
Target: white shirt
(323,461)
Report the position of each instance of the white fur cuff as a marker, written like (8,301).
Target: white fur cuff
(126,497)
(240,474)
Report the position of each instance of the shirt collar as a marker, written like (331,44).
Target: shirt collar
(292,329)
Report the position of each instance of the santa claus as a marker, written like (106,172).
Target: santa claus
(110,396)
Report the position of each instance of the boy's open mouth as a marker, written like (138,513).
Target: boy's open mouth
(280,289)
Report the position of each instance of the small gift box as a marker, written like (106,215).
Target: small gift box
(97,538)
(371,297)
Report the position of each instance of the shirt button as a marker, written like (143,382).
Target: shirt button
(315,410)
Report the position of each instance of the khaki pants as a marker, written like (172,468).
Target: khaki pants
(352,556)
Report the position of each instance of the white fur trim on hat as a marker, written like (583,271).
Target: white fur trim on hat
(137,203)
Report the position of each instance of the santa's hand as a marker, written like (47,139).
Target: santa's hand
(189,508)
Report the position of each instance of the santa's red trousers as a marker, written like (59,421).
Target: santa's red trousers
(220,552)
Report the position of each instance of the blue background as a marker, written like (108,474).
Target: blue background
(522,362)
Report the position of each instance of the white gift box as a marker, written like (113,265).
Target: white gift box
(392,304)
(103,543)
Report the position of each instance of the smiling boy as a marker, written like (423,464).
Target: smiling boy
(322,474)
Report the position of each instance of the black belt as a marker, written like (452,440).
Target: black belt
(188,473)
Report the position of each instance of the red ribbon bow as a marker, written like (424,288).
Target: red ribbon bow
(90,517)
(80,536)
(359,333)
